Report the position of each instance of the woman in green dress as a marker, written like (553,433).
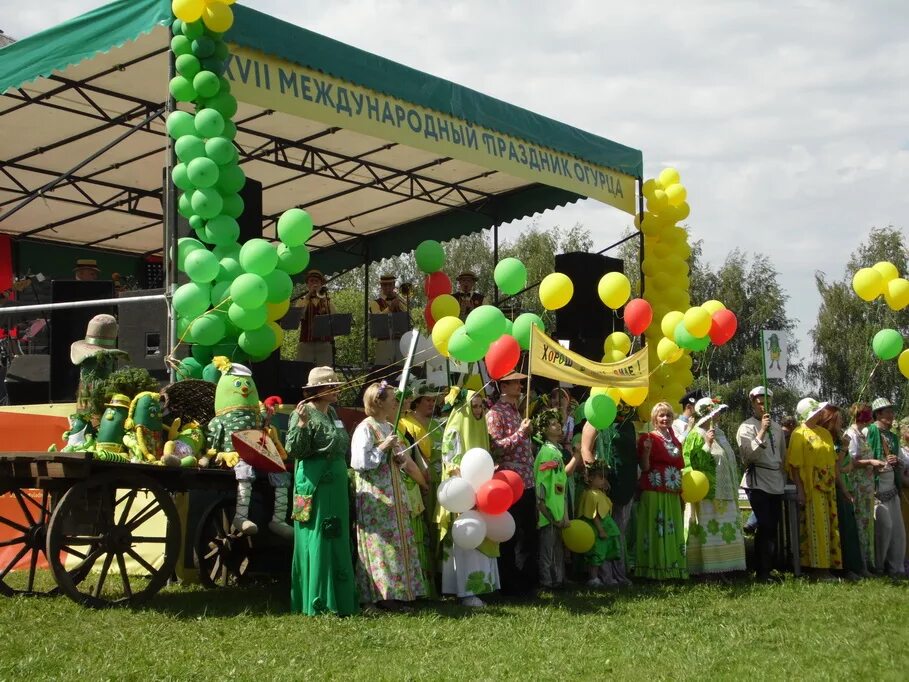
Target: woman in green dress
(322,576)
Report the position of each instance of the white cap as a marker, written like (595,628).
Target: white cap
(760,390)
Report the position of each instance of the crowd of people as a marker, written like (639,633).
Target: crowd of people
(369,532)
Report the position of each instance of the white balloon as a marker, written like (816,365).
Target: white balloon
(422,351)
(469,530)
(404,343)
(477,467)
(457,495)
(499,527)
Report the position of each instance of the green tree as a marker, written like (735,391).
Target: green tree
(844,367)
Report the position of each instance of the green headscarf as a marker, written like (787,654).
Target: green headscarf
(471,431)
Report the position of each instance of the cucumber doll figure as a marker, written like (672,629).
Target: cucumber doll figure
(111,429)
(237,408)
(144,430)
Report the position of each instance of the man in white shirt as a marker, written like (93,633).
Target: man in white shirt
(682,424)
(762,447)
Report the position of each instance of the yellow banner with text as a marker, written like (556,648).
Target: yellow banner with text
(549,359)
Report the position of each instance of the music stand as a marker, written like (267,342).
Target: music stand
(388,326)
(337,324)
(291,319)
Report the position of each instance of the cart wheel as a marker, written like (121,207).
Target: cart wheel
(100,521)
(25,545)
(222,554)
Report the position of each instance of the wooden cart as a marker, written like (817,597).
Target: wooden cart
(85,518)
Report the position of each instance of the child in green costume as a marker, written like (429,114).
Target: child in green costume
(551,478)
(604,560)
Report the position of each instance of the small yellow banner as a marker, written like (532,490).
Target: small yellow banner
(549,359)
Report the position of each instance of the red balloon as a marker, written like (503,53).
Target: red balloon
(502,356)
(494,497)
(638,316)
(437,284)
(723,328)
(513,479)
(427,315)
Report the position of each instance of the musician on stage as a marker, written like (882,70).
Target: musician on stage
(388,351)
(317,350)
(467,298)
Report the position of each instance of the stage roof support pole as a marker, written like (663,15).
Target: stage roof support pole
(170,225)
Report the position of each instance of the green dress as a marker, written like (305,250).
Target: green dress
(322,576)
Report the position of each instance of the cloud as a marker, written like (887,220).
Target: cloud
(788,120)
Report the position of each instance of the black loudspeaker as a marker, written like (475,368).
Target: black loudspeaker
(250,220)
(284,378)
(143,332)
(585,321)
(67,326)
(28,380)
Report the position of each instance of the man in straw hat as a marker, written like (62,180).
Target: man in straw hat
(313,349)
(467,298)
(889,532)
(86,270)
(96,356)
(388,351)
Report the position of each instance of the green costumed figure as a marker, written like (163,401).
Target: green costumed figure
(111,429)
(184,445)
(80,436)
(96,356)
(144,430)
(551,481)
(237,408)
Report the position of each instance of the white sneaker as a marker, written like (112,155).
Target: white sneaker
(594,582)
(473,602)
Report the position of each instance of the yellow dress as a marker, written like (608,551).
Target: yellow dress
(812,458)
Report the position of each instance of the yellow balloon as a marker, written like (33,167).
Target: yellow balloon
(578,537)
(676,194)
(613,355)
(694,486)
(187,10)
(614,290)
(277,310)
(279,334)
(868,284)
(668,351)
(648,188)
(442,331)
(659,201)
(218,17)
(903,363)
(683,210)
(896,293)
(886,270)
(713,306)
(669,322)
(669,176)
(556,290)
(444,305)
(697,321)
(634,396)
(619,341)
(611,391)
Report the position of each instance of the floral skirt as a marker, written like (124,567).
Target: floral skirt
(660,537)
(715,541)
(819,533)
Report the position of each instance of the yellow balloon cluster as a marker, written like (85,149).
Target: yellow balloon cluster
(215,14)
(665,268)
(882,279)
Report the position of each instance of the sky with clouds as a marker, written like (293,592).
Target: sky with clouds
(789,120)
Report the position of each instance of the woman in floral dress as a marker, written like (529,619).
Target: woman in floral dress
(715,541)
(860,482)
(388,566)
(659,531)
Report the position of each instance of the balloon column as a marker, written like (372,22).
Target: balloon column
(480,497)
(882,279)
(236,293)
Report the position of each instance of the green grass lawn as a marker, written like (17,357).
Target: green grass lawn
(797,630)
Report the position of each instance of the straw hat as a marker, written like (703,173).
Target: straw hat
(421,389)
(760,390)
(87,264)
(322,376)
(467,274)
(385,279)
(315,273)
(119,400)
(708,408)
(100,337)
(513,376)
(880,404)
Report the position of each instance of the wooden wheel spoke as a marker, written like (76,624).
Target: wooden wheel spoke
(105,568)
(215,569)
(45,507)
(213,552)
(130,497)
(136,539)
(19,498)
(74,552)
(14,541)
(125,576)
(12,563)
(12,524)
(32,567)
(147,513)
(141,561)
(225,523)
(82,539)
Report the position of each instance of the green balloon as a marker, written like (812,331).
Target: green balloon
(203,47)
(181,45)
(185,246)
(184,204)
(280,286)
(202,354)
(202,235)
(247,319)
(180,178)
(222,52)
(520,328)
(223,102)
(189,368)
(292,260)
(509,325)
(233,205)
(600,411)
(207,203)
(485,324)
(700,344)
(511,276)
(231,250)
(194,29)
(231,180)
(222,230)
(183,330)
(230,270)
(220,150)
(188,67)
(220,291)
(464,348)
(180,123)
(258,257)
(207,330)
(209,123)
(206,84)
(211,374)
(430,256)
(214,65)
(202,266)
(684,338)
(196,222)
(202,172)
(189,147)
(182,89)
(249,291)
(257,342)
(294,227)
(230,128)
(887,344)
(191,300)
